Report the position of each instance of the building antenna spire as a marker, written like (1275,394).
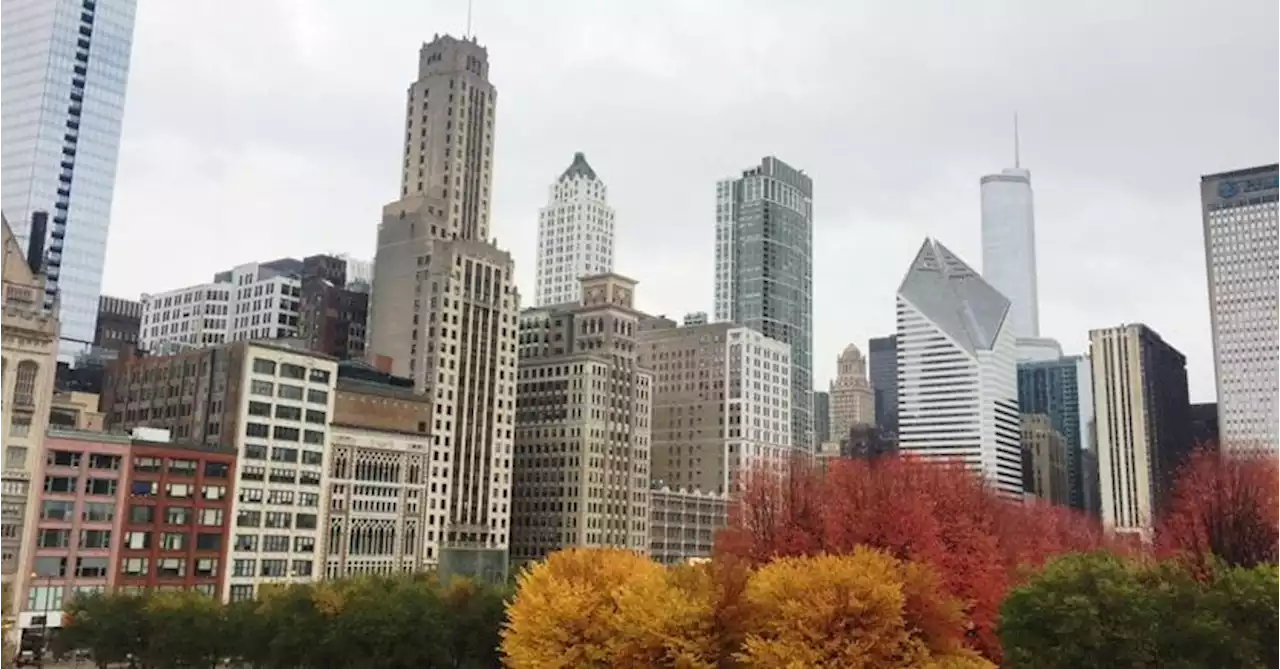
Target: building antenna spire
(1017,153)
(469,3)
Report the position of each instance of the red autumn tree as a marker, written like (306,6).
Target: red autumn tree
(1224,508)
(940,514)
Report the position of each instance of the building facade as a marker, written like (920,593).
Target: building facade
(764,270)
(1204,424)
(1044,460)
(444,306)
(1243,266)
(852,401)
(957,376)
(118,325)
(821,416)
(883,372)
(720,403)
(683,524)
(186,318)
(1009,246)
(1052,389)
(584,406)
(1142,426)
(387,488)
(30,341)
(66,67)
(575,234)
(333,309)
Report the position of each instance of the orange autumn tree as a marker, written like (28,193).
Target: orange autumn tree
(939,514)
(1222,508)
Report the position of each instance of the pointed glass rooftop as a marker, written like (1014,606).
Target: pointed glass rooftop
(954,297)
(578,167)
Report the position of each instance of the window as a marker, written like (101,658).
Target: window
(279,519)
(95,538)
(246,542)
(57,510)
(183,467)
(284,454)
(100,461)
(139,514)
(288,371)
(280,497)
(137,540)
(255,451)
(309,478)
(180,490)
(286,412)
(304,544)
(146,464)
(47,566)
(91,567)
(214,492)
(177,515)
(53,538)
(143,489)
(249,519)
(274,568)
(250,494)
(244,568)
(173,541)
(208,542)
(206,567)
(211,517)
(264,366)
(318,396)
(289,392)
(259,430)
(264,388)
(306,521)
(62,484)
(98,512)
(260,409)
(284,476)
(44,598)
(317,417)
(171,567)
(216,470)
(100,487)
(253,473)
(308,499)
(275,543)
(20,425)
(312,437)
(63,459)
(302,567)
(24,384)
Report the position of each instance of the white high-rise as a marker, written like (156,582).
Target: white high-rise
(1009,244)
(575,234)
(957,374)
(1243,268)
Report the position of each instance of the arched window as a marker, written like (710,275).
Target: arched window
(24,385)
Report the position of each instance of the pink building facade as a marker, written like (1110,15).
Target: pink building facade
(79,500)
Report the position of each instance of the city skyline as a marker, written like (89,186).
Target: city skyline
(1094,166)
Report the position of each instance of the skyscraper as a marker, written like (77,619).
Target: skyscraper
(65,69)
(575,234)
(851,400)
(764,269)
(883,372)
(1051,389)
(1243,268)
(1009,243)
(821,416)
(443,306)
(957,376)
(1143,422)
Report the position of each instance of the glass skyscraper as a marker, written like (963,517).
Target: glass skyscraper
(65,69)
(764,270)
(1053,388)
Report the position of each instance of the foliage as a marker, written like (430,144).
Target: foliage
(393,622)
(1100,609)
(865,609)
(1223,509)
(938,514)
(605,608)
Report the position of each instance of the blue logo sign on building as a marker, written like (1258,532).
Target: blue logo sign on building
(1230,189)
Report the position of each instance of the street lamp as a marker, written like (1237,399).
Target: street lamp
(44,619)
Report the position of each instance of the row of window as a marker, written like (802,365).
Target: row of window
(169,567)
(172,541)
(279,497)
(256,473)
(288,392)
(280,520)
(289,371)
(175,515)
(141,463)
(273,543)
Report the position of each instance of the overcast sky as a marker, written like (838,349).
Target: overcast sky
(256,129)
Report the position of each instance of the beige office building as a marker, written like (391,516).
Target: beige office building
(721,403)
(581,473)
(30,360)
(1142,423)
(683,524)
(443,306)
(1044,460)
(851,399)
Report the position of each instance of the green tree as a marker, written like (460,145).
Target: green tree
(111,627)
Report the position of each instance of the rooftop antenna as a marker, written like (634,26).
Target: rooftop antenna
(1017,155)
(469,3)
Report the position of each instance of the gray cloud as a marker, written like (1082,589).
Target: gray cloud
(260,128)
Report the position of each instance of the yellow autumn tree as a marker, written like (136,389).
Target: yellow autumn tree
(864,610)
(586,607)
